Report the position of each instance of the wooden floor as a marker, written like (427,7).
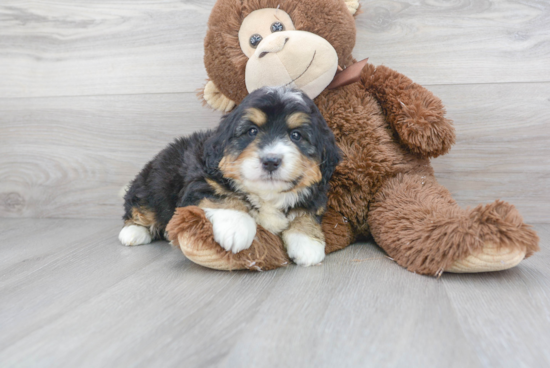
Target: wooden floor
(91,90)
(71,296)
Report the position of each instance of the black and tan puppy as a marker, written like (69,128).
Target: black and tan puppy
(268,163)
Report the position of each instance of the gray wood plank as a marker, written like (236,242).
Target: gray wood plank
(69,157)
(358,309)
(528,192)
(503,146)
(499,128)
(30,245)
(506,315)
(458,42)
(101,304)
(47,275)
(68,48)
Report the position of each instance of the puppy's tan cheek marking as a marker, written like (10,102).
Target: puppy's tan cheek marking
(226,203)
(312,172)
(231,168)
(306,168)
(228,168)
(307,225)
(256,116)
(297,119)
(309,170)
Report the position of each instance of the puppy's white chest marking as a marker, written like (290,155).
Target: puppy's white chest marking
(270,208)
(270,218)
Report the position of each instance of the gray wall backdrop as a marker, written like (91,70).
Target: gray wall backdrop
(91,90)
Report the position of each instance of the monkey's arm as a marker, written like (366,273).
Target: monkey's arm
(416,115)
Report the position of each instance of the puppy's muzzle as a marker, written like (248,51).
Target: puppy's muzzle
(271,163)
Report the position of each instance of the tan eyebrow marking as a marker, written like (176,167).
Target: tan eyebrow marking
(297,119)
(256,116)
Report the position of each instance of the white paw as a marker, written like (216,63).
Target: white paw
(134,235)
(233,230)
(303,250)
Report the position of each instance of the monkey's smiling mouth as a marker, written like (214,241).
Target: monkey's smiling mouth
(304,72)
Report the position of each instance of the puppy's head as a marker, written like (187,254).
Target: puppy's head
(275,141)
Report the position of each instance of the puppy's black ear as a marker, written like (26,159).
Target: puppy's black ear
(330,153)
(215,146)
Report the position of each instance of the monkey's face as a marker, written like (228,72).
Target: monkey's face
(294,43)
(280,55)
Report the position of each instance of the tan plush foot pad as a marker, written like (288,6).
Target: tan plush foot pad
(489,259)
(192,232)
(203,254)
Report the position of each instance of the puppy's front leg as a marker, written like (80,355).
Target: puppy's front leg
(234,229)
(304,241)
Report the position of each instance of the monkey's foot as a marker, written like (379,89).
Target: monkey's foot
(506,240)
(193,233)
(490,258)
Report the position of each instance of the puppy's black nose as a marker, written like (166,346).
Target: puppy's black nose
(271,163)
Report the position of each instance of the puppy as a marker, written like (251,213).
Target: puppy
(268,163)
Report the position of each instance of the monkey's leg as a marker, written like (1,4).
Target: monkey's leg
(337,230)
(192,232)
(417,222)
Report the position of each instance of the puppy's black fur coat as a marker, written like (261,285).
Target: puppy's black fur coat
(177,176)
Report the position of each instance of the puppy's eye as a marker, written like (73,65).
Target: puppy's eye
(277,27)
(253,132)
(295,136)
(255,40)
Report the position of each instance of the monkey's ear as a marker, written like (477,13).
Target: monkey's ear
(353,6)
(213,97)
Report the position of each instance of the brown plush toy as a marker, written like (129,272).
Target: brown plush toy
(386,126)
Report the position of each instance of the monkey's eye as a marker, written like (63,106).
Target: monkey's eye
(253,132)
(277,27)
(255,40)
(295,136)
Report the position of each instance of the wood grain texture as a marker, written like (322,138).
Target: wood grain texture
(499,128)
(69,157)
(458,41)
(503,146)
(70,48)
(84,300)
(510,305)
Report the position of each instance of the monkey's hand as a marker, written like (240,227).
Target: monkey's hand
(415,114)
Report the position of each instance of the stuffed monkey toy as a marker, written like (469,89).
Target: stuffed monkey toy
(386,126)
